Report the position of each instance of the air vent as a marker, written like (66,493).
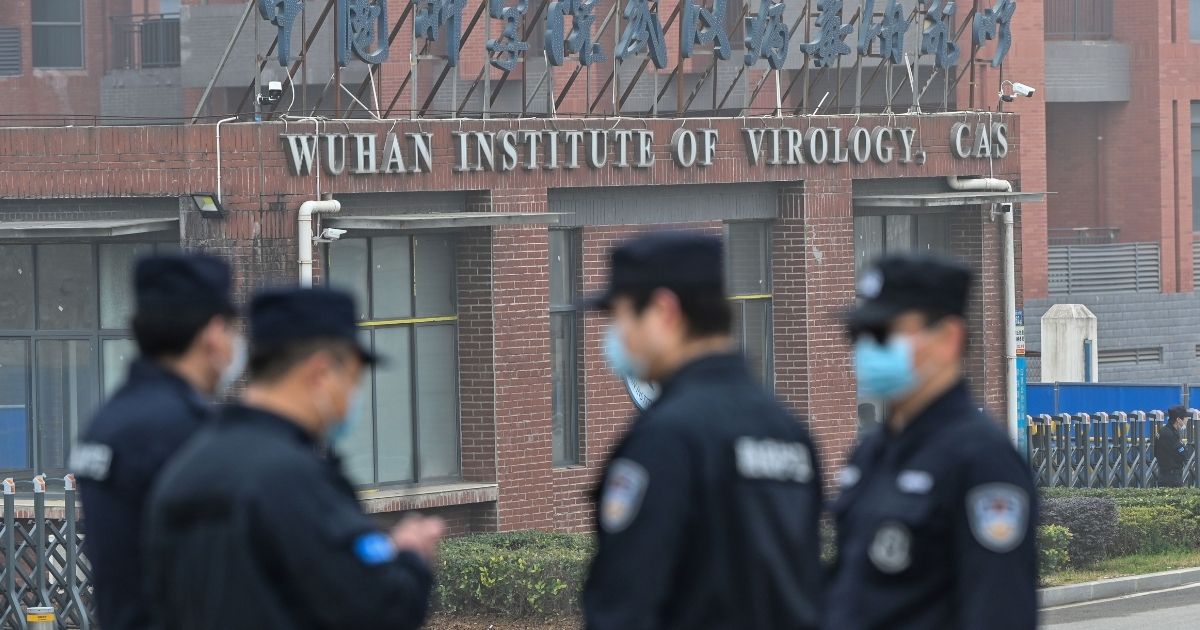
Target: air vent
(1136,356)
(10,51)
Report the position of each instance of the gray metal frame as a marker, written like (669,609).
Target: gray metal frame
(82,38)
(570,314)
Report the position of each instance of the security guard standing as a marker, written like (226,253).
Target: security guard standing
(708,510)
(183,327)
(936,510)
(1169,450)
(250,528)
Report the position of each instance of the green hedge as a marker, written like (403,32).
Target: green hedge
(1146,521)
(1053,542)
(519,574)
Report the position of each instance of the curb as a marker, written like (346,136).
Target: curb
(1116,587)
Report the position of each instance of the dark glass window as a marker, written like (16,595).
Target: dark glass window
(564,344)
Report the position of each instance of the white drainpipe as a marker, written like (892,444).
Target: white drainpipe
(307,210)
(1010,293)
(219,122)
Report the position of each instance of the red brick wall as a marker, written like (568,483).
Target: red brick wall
(1074,162)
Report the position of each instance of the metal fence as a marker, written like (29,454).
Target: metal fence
(145,41)
(1103,450)
(42,563)
(1115,268)
(1079,19)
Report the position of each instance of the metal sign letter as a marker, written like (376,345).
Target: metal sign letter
(890,31)
(644,33)
(432,16)
(937,39)
(767,36)
(362,23)
(989,22)
(705,28)
(509,44)
(282,13)
(580,42)
(831,41)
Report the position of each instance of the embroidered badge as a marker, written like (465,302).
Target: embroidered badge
(91,461)
(374,548)
(914,482)
(871,284)
(998,514)
(773,459)
(622,496)
(891,550)
(849,476)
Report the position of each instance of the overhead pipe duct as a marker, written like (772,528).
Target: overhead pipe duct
(307,210)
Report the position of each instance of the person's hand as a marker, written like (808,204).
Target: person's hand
(419,534)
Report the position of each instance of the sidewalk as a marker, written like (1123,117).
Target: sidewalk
(1116,587)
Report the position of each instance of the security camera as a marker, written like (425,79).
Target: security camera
(272,93)
(1023,90)
(329,235)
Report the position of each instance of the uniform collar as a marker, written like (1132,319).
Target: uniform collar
(721,365)
(148,371)
(952,405)
(238,413)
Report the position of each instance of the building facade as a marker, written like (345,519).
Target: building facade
(472,225)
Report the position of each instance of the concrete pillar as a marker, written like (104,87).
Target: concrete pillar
(1066,330)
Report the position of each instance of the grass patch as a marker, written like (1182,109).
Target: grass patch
(1125,565)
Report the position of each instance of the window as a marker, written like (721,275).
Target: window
(405,291)
(564,344)
(64,343)
(748,280)
(1196,160)
(58,34)
(1194,19)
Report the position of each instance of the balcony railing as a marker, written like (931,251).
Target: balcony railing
(145,41)
(1079,19)
(1084,236)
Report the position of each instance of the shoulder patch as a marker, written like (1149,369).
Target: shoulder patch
(914,482)
(374,548)
(849,476)
(621,498)
(891,549)
(91,461)
(998,514)
(773,459)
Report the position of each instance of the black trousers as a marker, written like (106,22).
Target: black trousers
(1170,478)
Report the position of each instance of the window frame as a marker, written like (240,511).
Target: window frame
(33,37)
(742,302)
(568,313)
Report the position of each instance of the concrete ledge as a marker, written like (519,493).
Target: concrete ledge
(1116,587)
(423,497)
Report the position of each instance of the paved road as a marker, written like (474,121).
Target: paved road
(1161,610)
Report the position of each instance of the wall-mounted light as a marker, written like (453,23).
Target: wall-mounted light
(208,205)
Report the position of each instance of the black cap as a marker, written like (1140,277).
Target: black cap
(279,317)
(897,284)
(176,282)
(1177,412)
(684,262)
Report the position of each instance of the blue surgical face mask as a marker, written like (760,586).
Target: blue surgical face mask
(619,360)
(884,370)
(336,435)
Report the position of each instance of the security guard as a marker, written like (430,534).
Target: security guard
(1169,451)
(250,528)
(936,510)
(183,327)
(708,510)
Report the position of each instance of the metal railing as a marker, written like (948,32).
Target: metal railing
(41,559)
(1103,450)
(1113,268)
(1084,236)
(1079,19)
(144,41)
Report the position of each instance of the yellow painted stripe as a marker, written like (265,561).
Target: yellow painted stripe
(754,296)
(39,617)
(411,320)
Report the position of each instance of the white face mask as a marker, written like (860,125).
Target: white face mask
(237,365)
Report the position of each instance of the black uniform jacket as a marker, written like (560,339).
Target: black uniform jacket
(936,528)
(708,512)
(250,528)
(121,454)
(1169,451)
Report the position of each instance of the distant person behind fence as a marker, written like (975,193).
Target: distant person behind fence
(1169,450)
(183,326)
(249,528)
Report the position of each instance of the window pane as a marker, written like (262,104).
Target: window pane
(168,248)
(562,268)
(116,282)
(757,330)
(436,401)
(66,386)
(358,448)
(899,237)
(435,275)
(1194,19)
(394,404)
(868,241)
(348,271)
(562,352)
(16,276)
(15,438)
(57,47)
(748,254)
(391,277)
(933,233)
(117,354)
(58,10)
(66,281)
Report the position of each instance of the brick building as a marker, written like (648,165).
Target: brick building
(468,241)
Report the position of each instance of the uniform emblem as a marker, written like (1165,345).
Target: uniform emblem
(374,548)
(871,284)
(91,461)
(914,482)
(998,513)
(622,496)
(891,551)
(773,459)
(849,476)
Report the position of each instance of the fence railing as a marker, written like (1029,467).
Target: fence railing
(1103,450)
(1079,19)
(1113,268)
(42,564)
(1084,236)
(145,41)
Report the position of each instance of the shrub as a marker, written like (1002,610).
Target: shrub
(1184,499)
(1092,522)
(520,574)
(1053,543)
(1155,529)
